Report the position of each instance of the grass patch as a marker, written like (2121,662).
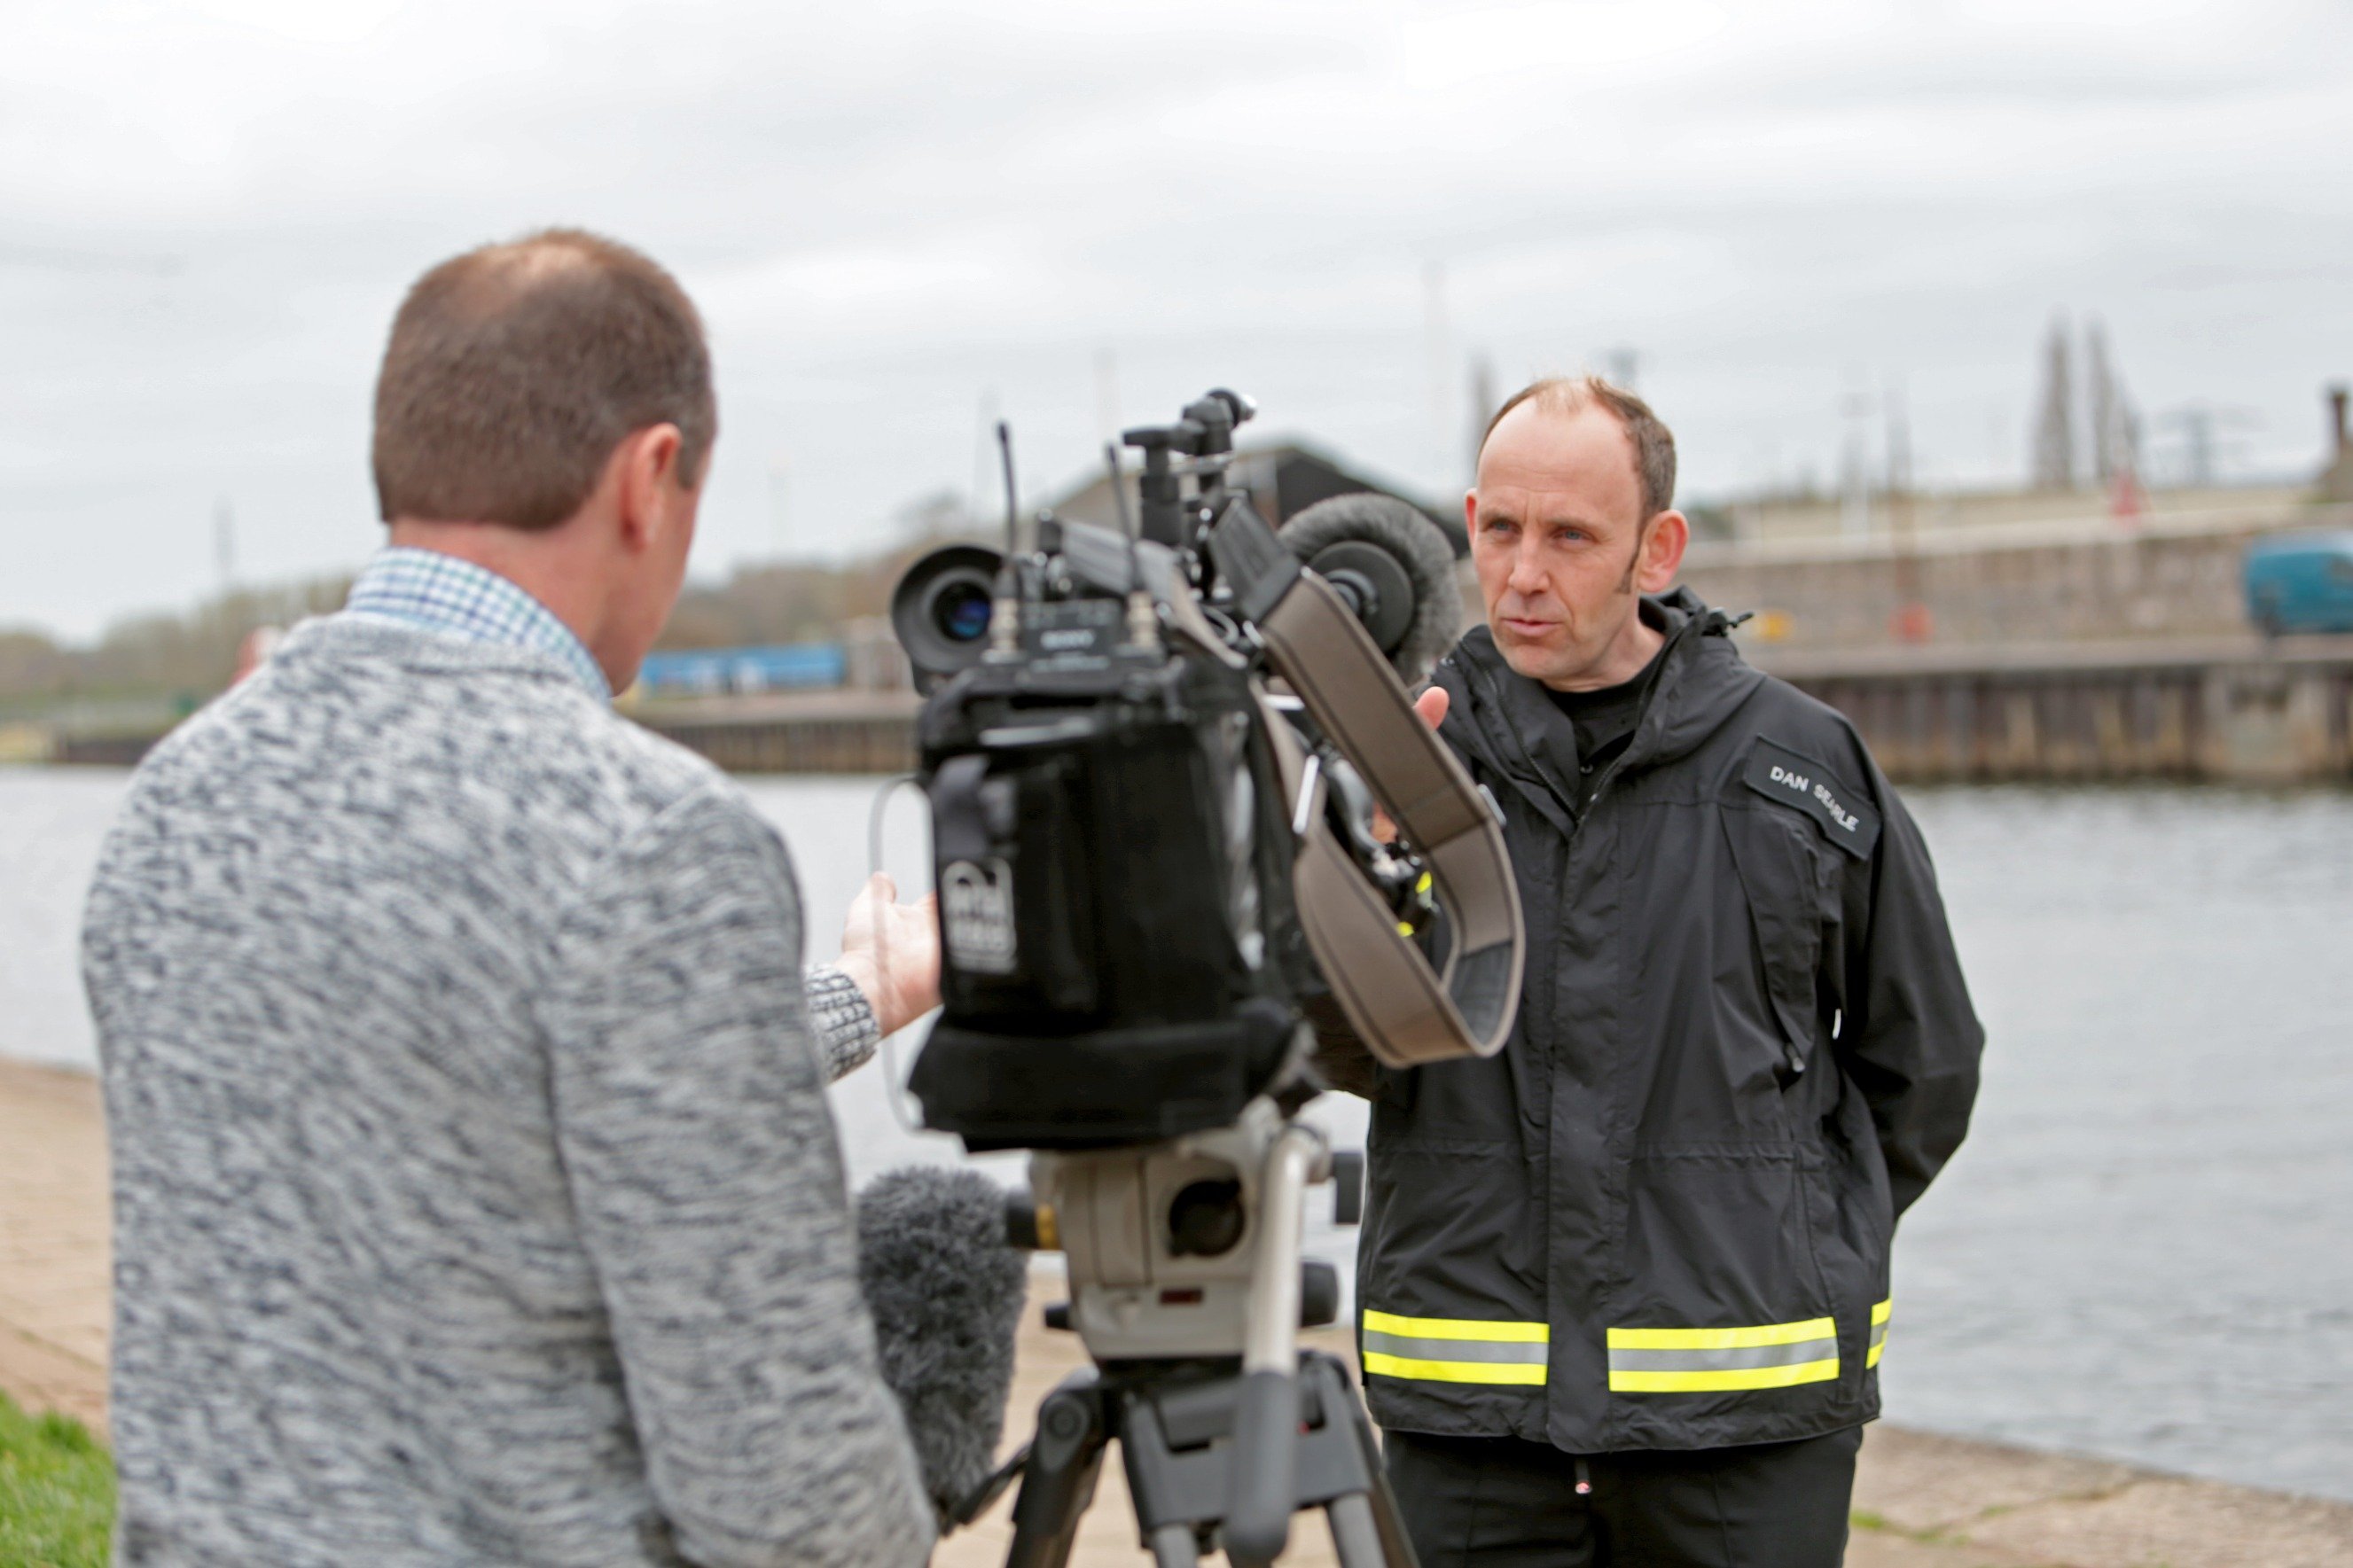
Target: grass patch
(56,1491)
(1864,1519)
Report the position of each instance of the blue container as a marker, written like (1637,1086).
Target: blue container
(708,672)
(2301,583)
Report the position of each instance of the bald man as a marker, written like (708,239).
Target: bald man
(1624,1286)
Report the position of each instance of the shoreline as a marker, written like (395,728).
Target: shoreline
(1922,1500)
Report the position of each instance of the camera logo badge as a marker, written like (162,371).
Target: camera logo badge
(977,915)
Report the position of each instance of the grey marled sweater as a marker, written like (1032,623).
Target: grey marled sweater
(476,1198)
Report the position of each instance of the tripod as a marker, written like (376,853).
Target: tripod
(1225,1428)
(1176,1428)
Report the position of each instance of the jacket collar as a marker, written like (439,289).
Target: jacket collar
(1510,722)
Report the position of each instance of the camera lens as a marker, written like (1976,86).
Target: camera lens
(960,611)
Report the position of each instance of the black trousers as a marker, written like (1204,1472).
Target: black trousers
(1503,1502)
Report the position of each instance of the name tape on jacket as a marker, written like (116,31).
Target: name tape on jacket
(1780,774)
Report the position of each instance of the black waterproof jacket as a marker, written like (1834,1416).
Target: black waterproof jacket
(1660,1216)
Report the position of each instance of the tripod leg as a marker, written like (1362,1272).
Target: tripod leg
(1396,1547)
(1059,1479)
(1172,1547)
(1380,1503)
(1354,1536)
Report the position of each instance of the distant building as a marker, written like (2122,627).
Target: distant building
(1283,481)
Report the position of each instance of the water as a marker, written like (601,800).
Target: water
(2144,1249)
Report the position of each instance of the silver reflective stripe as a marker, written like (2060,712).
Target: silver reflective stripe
(1735,1358)
(1723,1360)
(1410,1348)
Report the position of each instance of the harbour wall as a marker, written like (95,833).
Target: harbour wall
(2231,709)
(2228,709)
(815,732)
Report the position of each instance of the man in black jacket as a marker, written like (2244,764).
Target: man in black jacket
(1624,1286)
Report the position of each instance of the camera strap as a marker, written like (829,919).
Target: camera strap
(1405,1013)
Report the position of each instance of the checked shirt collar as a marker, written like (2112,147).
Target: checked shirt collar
(437,593)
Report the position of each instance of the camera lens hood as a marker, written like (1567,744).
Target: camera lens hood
(940,610)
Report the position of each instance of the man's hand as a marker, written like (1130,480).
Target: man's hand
(892,950)
(1431,705)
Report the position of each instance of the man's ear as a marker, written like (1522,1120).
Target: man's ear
(648,461)
(1662,551)
(1471,512)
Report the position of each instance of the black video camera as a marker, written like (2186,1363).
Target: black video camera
(1121,788)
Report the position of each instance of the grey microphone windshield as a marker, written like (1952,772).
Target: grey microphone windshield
(946,1291)
(1395,568)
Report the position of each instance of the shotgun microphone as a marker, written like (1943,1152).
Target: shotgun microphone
(946,1291)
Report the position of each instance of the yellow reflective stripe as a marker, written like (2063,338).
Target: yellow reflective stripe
(1730,1379)
(1458,1329)
(1455,1371)
(1879,1316)
(1722,1339)
(1879,1313)
(1871,1356)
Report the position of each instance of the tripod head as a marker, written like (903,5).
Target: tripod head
(1187,1286)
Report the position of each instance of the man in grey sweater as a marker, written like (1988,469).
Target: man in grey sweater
(476,1198)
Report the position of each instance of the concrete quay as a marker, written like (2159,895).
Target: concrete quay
(1921,1500)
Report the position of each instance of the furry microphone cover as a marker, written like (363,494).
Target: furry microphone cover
(1422,551)
(946,1291)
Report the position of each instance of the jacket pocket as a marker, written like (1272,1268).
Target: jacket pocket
(1784,877)
(1453,1234)
(1451,1326)
(1725,1300)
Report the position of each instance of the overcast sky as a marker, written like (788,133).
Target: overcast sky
(897,216)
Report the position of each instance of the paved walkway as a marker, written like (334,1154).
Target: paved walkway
(1921,1501)
(54,1234)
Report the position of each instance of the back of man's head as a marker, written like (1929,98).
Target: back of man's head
(515,370)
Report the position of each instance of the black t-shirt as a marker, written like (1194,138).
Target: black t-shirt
(1604,721)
